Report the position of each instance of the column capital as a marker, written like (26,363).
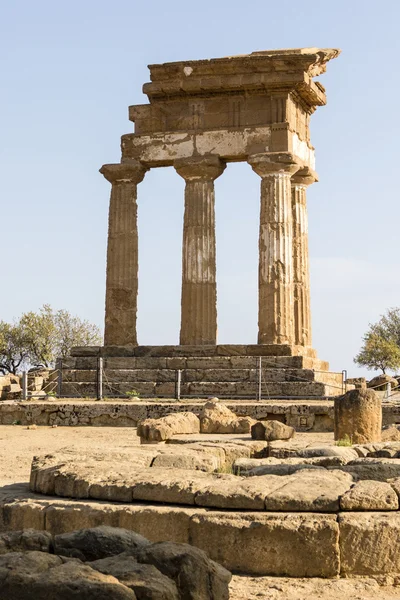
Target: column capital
(127,172)
(273,163)
(198,168)
(304,177)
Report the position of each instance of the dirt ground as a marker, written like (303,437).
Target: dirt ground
(18,445)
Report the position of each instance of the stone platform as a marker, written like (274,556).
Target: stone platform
(226,371)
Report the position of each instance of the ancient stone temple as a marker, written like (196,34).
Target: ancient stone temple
(200,116)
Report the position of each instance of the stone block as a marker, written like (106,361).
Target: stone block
(370,495)
(298,545)
(310,490)
(369,544)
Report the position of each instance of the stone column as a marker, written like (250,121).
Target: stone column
(301,274)
(275,271)
(199,287)
(122,254)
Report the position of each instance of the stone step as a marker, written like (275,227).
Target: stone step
(203,375)
(201,389)
(192,362)
(191,351)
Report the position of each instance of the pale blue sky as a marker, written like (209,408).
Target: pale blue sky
(69,71)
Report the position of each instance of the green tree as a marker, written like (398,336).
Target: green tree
(39,338)
(14,353)
(378,352)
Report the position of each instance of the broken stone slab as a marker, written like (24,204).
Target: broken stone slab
(216,417)
(377,469)
(271,431)
(98,542)
(145,580)
(196,576)
(345,453)
(158,430)
(29,539)
(370,495)
(314,490)
(41,576)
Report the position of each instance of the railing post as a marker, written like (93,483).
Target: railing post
(259,378)
(59,367)
(24,385)
(344,379)
(99,378)
(388,390)
(178,384)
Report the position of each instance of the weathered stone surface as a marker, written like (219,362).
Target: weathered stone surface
(369,543)
(28,539)
(347,454)
(377,469)
(358,417)
(314,490)
(271,431)
(196,576)
(199,287)
(370,495)
(99,542)
(216,417)
(390,434)
(196,461)
(298,545)
(43,576)
(146,581)
(158,430)
(237,494)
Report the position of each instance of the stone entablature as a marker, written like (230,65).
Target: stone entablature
(203,114)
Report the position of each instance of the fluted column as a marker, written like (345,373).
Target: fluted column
(275,272)
(301,274)
(122,254)
(199,287)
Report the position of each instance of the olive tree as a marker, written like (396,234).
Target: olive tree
(37,339)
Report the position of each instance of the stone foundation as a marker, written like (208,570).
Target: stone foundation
(314,416)
(224,371)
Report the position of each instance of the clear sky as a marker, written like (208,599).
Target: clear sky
(69,71)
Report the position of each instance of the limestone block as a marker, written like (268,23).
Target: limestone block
(170,486)
(271,431)
(216,417)
(370,495)
(298,545)
(377,469)
(157,430)
(347,454)
(369,543)
(157,523)
(26,514)
(240,494)
(315,490)
(192,461)
(25,540)
(64,517)
(358,416)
